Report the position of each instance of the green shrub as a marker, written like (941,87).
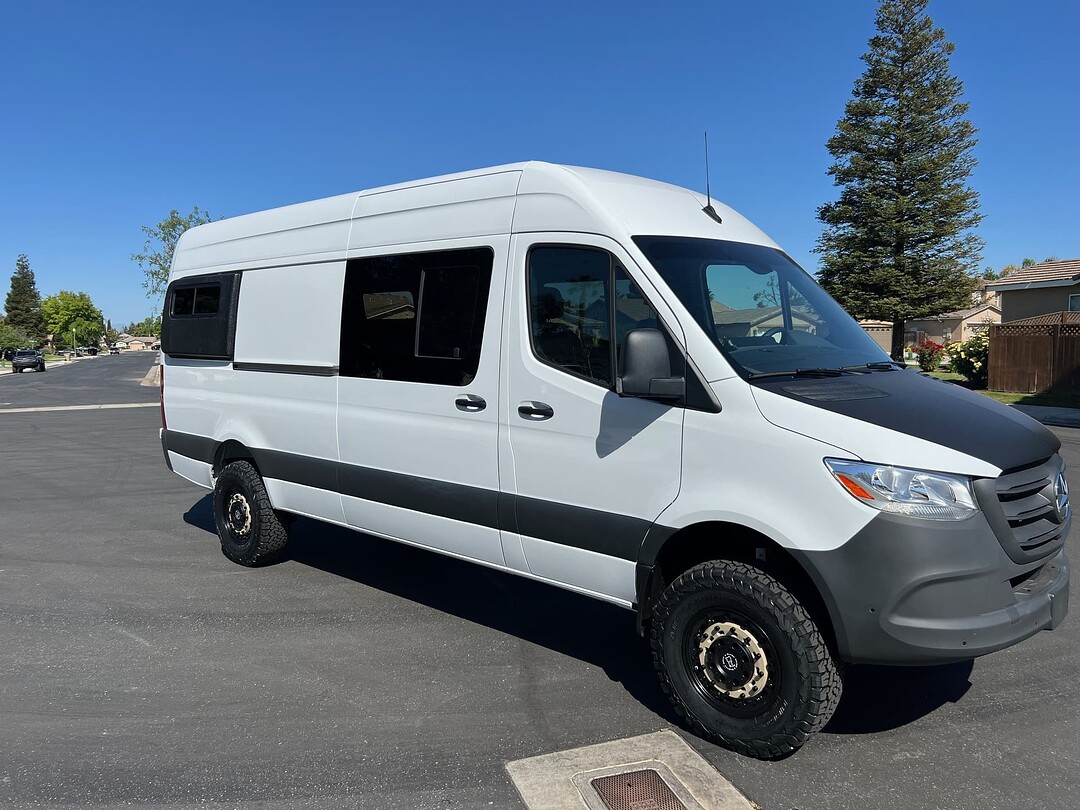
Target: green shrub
(970,358)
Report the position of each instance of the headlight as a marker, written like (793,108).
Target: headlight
(915,493)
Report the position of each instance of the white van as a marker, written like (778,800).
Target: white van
(610,385)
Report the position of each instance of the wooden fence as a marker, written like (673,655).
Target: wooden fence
(1036,355)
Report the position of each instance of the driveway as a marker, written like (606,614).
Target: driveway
(139,667)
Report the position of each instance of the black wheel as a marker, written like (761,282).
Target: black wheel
(742,661)
(250,530)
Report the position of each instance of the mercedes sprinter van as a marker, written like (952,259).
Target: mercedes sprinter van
(611,385)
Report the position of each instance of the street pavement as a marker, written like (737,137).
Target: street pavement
(140,667)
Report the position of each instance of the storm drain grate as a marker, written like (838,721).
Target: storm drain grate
(636,790)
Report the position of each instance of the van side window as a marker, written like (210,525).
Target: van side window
(576,295)
(415,317)
(199,319)
(569,310)
(201,300)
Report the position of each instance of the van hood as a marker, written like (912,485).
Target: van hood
(909,419)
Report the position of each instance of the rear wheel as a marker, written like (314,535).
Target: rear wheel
(742,661)
(251,532)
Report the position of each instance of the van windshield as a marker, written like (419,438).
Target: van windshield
(764,312)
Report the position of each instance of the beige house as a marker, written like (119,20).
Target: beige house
(135,343)
(952,327)
(1039,289)
(880,331)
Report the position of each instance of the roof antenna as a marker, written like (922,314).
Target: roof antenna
(708,209)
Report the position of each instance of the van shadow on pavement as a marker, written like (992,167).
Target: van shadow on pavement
(875,698)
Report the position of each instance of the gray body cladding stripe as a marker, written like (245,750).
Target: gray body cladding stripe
(618,536)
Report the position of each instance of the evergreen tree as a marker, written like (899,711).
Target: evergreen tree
(899,242)
(23,302)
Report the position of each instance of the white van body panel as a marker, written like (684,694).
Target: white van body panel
(197,472)
(586,570)
(290,316)
(475,206)
(317,231)
(599,452)
(778,472)
(572,198)
(416,429)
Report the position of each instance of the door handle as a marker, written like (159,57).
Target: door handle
(470,402)
(535,411)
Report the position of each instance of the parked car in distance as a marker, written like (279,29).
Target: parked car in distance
(113,350)
(27,358)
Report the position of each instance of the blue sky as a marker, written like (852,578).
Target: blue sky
(115,112)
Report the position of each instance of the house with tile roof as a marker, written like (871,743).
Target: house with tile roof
(952,327)
(1039,289)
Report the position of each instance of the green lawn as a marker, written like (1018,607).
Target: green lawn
(1010,398)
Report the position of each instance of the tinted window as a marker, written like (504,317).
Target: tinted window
(201,320)
(569,310)
(207,300)
(579,297)
(415,317)
(204,300)
(183,302)
(761,310)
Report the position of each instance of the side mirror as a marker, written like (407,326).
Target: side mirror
(646,367)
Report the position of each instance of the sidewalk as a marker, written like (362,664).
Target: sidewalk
(1058,417)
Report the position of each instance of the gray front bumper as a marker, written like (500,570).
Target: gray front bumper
(906,591)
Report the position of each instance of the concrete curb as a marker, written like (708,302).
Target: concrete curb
(153,376)
(560,781)
(1056,417)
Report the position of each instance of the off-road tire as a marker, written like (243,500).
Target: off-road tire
(805,682)
(251,532)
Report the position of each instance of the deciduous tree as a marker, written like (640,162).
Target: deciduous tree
(73,311)
(157,253)
(899,242)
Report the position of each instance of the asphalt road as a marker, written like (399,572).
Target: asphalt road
(139,666)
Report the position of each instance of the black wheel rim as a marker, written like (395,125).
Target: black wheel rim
(728,668)
(237,516)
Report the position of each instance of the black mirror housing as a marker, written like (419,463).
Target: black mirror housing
(646,367)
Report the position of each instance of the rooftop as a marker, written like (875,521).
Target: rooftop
(1044,274)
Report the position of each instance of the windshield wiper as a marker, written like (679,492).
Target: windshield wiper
(880,365)
(799,372)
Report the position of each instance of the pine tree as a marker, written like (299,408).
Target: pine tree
(23,302)
(899,242)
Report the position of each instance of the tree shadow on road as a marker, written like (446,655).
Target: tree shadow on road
(598,633)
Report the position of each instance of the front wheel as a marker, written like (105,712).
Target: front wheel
(742,661)
(250,530)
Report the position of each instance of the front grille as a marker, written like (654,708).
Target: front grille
(1027,499)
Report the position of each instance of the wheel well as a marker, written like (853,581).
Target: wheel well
(730,541)
(231,451)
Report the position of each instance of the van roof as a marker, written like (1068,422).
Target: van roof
(516,197)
